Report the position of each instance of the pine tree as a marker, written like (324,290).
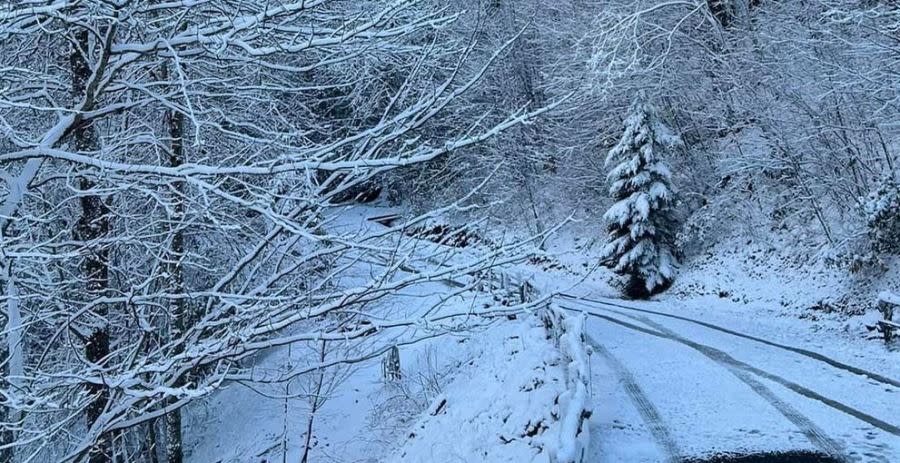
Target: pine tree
(641,224)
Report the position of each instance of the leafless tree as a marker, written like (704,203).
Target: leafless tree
(171,172)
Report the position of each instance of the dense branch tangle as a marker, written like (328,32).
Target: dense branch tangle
(170,172)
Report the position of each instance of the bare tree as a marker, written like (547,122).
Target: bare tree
(172,221)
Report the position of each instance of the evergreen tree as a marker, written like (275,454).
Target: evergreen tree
(641,223)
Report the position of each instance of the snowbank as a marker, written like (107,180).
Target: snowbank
(574,403)
(522,398)
(889,297)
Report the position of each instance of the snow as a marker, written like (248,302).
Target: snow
(518,400)
(889,297)
(511,367)
(750,403)
(14,329)
(505,380)
(279,411)
(779,278)
(715,392)
(640,222)
(574,402)
(710,406)
(267,422)
(659,388)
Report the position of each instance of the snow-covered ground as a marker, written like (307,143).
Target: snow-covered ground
(268,422)
(678,389)
(770,372)
(672,379)
(362,414)
(506,405)
(498,394)
(507,389)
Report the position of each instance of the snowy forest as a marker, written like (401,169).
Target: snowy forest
(549,231)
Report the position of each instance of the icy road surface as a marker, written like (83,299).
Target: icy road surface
(670,386)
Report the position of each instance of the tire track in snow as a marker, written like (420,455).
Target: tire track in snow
(797,350)
(816,435)
(806,392)
(644,406)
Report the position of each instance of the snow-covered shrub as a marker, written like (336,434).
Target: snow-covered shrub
(641,223)
(856,258)
(399,403)
(882,213)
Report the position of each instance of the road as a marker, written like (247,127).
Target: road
(670,387)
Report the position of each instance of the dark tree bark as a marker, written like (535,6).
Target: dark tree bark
(315,402)
(180,312)
(6,434)
(722,11)
(152,450)
(91,227)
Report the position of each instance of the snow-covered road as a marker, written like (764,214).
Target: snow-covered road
(672,387)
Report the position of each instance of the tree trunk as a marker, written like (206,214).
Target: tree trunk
(14,366)
(179,311)
(91,228)
(6,434)
(152,443)
(174,451)
(316,402)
